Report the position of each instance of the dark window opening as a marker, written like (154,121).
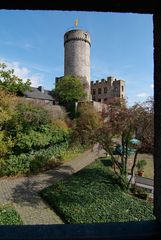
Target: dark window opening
(99,91)
(105,89)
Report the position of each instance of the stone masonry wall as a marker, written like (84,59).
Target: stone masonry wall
(77,56)
(104,90)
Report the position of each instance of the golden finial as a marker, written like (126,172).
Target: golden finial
(76,23)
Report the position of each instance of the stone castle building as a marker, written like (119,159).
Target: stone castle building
(77,63)
(77,46)
(106,89)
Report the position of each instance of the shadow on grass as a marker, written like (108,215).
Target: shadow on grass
(82,192)
(93,195)
(76,189)
(106,161)
(66,189)
(25,193)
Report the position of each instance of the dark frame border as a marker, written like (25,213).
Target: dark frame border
(135,6)
(137,230)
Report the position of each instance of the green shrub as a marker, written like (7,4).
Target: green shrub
(122,181)
(33,162)
(7,110)
(46,158)
(35,140)
(29,140)
(6,144)
(72,152)
(32,115)
(32,140)
(139,192)
(141,164)
(15,165)
(9,216)
(86,125)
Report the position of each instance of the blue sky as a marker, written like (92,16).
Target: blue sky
(31,42)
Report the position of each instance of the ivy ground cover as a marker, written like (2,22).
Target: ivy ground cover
(9,216)
(94,196)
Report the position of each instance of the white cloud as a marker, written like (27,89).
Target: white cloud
(36,80)
(24,73)
(152,85)
(142,94)
(19,71)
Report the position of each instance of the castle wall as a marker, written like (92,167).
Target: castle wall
(104,90)
(41,101)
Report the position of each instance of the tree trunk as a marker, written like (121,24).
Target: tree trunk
(133,167)
(114,160)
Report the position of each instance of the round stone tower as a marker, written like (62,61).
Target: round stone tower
(77,57)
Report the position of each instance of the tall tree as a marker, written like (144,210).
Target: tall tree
(69,89)
(10,82)
(86,124)
(8,102)
(121,124)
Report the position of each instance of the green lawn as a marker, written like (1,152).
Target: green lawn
(8,216)
(93,196)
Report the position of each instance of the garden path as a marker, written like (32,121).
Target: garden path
(22,192)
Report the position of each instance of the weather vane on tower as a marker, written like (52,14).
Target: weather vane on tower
(76,23)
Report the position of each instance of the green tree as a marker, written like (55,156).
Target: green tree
(69,89)
(121,124)
(10,82)
(86,124)
(29,137)
(7,109)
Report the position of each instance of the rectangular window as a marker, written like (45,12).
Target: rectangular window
(105,89)
(99,91)
(94,91)
(122,88)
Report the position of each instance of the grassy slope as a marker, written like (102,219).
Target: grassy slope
(93,196)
